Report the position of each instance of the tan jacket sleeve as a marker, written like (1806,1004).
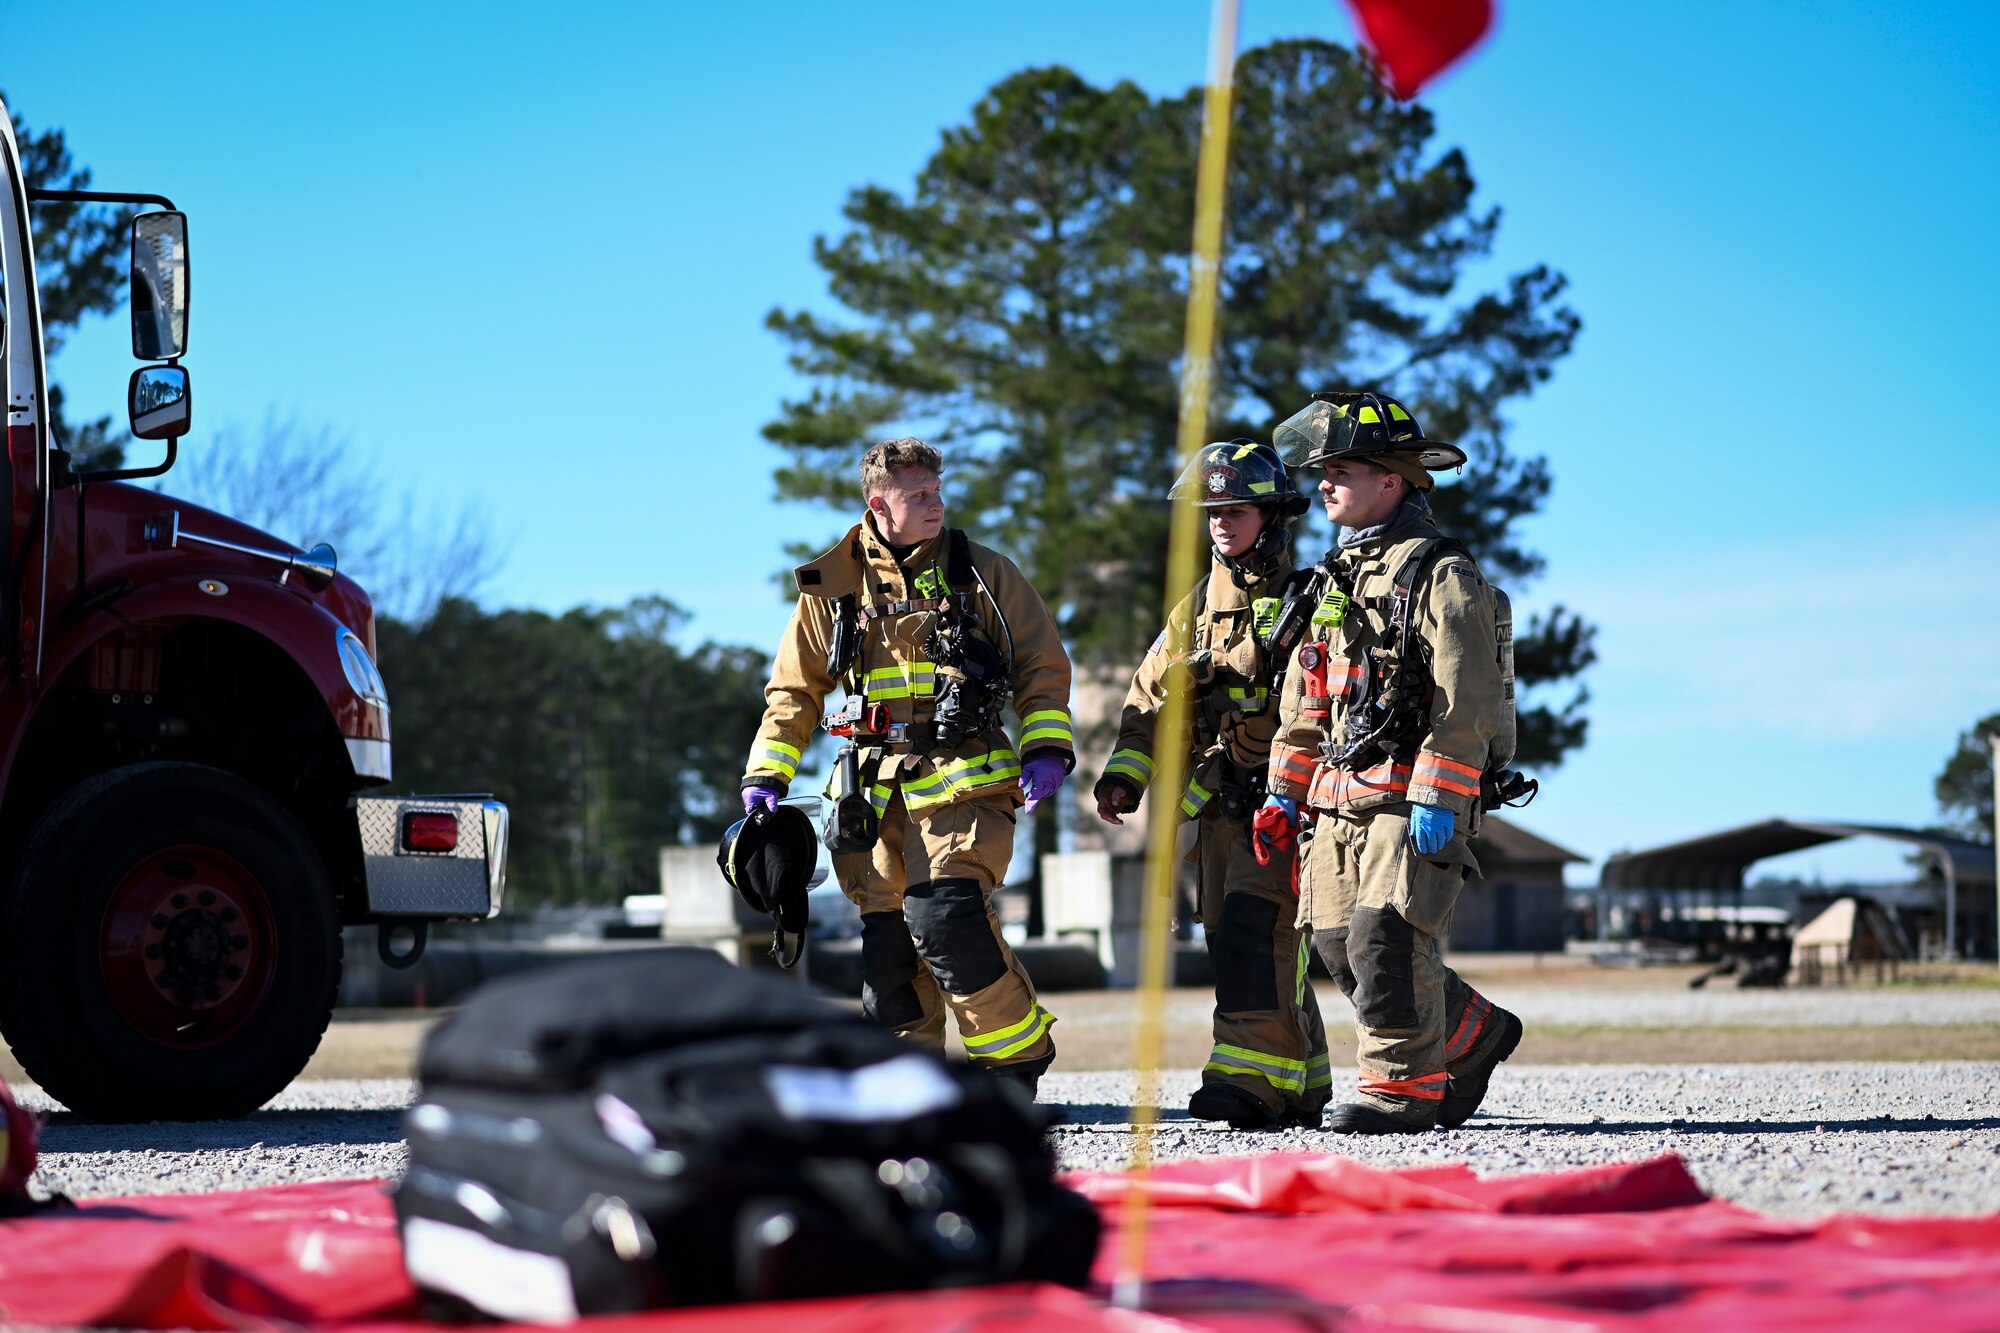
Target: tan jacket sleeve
(1295,747)
(1041,664)
(1132,757)
(1465,709)
(795,697)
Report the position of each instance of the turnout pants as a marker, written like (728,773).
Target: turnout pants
(930,938)
(1377,908)
(1268,1037)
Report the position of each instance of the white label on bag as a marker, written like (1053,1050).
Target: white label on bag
(509,1283)
(897,1089)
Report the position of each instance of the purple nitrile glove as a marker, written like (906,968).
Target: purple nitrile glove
(1040,778)
(759,798)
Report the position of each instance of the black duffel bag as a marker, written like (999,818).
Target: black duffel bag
(662,1128)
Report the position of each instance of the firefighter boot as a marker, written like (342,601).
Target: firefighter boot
(1242,1110)
(1492,1036)
(1418,1117)
(1026,1075)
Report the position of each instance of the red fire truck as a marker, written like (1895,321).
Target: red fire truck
(190,712)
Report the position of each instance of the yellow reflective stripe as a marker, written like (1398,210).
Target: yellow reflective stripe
(776,757)
(1011,1040)
(1319,1071)
(1397,414)
(1197,797)
(911,679)
(1048,724)
(1263,487)
(962,775)
(879,796)
(1285,1075)
(1367,415)
(1133,764)
(1243,451)
(1304,962)
(1253,700)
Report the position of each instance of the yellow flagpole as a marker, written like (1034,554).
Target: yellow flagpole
(1184,549)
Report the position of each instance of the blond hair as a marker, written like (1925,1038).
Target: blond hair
(882,461)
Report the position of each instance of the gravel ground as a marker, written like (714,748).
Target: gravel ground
(1793,1139)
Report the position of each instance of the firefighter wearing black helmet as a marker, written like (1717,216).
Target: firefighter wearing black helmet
(1268,1066)
(1387,722)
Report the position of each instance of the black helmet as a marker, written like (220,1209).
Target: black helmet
(1243,471)
(1240,472)
(768,858)
(1359,425)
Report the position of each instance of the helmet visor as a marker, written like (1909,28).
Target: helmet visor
(1302,438)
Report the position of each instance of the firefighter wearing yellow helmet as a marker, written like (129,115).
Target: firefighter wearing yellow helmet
(1395,707)
(1268,1066)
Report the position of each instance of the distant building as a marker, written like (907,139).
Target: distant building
(1673,890)
(1516,903)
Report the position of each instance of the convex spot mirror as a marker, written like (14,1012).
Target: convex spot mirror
(157,400)
(159,286)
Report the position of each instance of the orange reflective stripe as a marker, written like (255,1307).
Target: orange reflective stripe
(1424,1088)
(1434,770)
(1335,787)
(1427,759)
(1477,1009)
(1292,765)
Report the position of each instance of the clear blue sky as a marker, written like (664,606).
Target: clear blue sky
(523,253)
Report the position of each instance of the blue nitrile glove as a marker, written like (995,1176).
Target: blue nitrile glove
(1040,778)
(1430,828)
(1274,828)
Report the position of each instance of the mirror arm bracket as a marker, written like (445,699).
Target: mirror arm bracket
(98,197)
(128,473)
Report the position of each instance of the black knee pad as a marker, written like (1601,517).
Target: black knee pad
(889,971)
(1381,949)
(1331,946)
(948,919)
(1246,977)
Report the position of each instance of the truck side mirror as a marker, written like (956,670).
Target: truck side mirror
(157,400)
(159,286)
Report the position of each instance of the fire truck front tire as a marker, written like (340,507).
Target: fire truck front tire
(170,947)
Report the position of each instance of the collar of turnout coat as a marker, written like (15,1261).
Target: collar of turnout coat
(842,568)
(1412,520)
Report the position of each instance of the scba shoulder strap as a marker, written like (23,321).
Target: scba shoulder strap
(1410,575)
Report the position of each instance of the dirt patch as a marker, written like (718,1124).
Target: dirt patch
(1094,1031)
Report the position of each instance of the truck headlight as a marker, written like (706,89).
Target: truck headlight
(362,677)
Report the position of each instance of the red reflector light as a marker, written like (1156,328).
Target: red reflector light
(430,833)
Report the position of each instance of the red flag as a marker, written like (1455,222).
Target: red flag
(1414,39)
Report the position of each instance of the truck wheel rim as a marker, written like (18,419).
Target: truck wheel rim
(187,947)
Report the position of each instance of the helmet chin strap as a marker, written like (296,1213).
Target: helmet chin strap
(1255,565)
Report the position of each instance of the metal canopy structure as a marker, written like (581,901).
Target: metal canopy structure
(1716,862)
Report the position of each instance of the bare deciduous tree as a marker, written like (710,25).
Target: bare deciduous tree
(307,484)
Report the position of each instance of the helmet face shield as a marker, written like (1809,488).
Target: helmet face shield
(1302,437)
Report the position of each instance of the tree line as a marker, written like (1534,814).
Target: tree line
(607,739)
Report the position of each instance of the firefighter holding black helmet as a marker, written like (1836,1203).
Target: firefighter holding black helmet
(1395,718)
(1269,1065)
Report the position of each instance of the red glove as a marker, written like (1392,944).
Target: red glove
(1274,829)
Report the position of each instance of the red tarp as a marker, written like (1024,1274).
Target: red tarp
(1235,1243)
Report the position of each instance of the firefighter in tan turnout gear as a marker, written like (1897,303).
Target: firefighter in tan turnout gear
(930,634)
(1269,1063)
(1395,706)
